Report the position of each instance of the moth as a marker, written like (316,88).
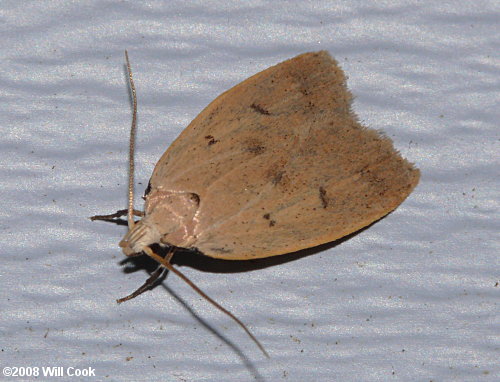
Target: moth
(276,164)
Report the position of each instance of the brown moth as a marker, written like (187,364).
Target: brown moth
(276,164)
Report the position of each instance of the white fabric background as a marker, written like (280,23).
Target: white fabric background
(412,298)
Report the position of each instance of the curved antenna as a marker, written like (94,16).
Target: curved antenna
(133,128)
(170,267)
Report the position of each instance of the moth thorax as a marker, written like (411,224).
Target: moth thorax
(142,235)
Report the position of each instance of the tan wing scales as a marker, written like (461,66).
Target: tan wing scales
(280,163)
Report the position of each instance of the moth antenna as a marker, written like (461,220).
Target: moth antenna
(130,217)
(133,128)
(166,263)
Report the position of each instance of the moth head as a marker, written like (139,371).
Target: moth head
(143,234)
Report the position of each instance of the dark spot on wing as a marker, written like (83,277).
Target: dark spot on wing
(254,146)
(259,109)
(256,149)
(277,177)
(323,197)
(211,140)
(268,217)
(276,174)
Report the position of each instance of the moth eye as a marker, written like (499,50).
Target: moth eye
(148,190)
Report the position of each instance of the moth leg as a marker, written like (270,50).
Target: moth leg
(155,276)
(116,215)
(158,273)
